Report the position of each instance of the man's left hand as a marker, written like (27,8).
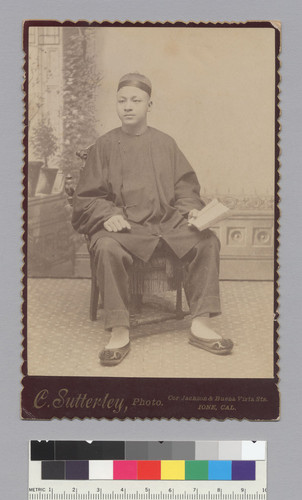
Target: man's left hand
(193,214)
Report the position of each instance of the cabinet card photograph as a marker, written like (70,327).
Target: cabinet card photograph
(151,220)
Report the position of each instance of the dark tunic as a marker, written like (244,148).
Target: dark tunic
(146,179)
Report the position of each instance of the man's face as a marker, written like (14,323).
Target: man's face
(133,105)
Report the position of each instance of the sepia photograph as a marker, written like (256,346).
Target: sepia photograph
(151,220)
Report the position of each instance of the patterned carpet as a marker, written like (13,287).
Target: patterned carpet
(63,341)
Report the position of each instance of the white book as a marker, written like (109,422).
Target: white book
(210,215)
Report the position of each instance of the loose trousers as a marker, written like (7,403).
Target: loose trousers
(201,278)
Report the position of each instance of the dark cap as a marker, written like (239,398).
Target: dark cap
(135,80)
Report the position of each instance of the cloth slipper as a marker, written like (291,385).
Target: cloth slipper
(112,357)
(215,346)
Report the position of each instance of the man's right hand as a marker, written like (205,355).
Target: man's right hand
(116,224)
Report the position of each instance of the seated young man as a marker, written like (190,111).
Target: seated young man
(136,189)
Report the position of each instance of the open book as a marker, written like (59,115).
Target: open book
(210,215)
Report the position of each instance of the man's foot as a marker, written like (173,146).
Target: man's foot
(117,347)
(201,328)
(113,357)
(119,337)
(204,337)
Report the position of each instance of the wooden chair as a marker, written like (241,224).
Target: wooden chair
(162,273)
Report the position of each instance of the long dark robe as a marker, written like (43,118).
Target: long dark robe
(146,179)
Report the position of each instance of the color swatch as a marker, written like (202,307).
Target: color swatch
(148,450)
(163,470)
(157,461)
(173,470)
(149,469)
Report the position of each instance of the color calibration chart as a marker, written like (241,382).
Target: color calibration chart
(147,470)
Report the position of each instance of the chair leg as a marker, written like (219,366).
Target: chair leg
(94,292)
(94,299)
(179,311)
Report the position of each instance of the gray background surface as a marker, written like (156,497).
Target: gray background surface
(284,437)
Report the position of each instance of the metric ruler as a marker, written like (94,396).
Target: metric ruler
(154,492)
(103,470)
